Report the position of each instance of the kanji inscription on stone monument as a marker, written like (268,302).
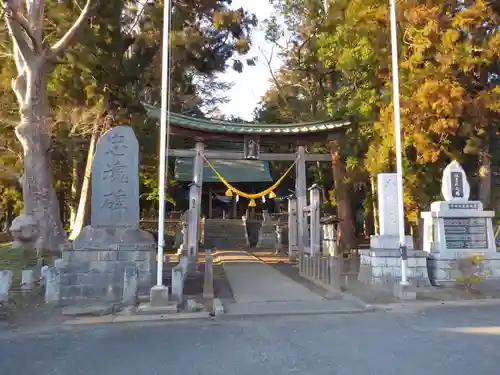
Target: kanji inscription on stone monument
(115,200)
(455,186)
(117,145)
(115,180)
(116,172)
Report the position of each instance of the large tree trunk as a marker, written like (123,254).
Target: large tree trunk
(343,198)
(33,132)
(33,63)
(9,214)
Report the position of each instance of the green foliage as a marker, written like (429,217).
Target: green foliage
(339,64)
(116,64)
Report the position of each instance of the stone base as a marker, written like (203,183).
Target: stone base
(113,246)
(159,296)
(444,267)
(218,307)
(389,242)
(83,284)
(146,309)
(107,265)
(267,236)
(382,267)
(404,292)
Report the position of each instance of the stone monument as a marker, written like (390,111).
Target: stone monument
(267,232)
(456,228)
(113,242)
(381,264)
(387,191)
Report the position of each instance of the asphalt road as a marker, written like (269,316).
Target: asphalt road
(408,343)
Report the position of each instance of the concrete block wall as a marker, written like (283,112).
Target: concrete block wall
(444,268)
(384,267)
(142,256)
(95,281)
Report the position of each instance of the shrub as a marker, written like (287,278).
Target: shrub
(471,268)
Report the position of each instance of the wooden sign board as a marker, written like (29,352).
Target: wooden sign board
(252,148)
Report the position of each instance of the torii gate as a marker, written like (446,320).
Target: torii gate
(251,135)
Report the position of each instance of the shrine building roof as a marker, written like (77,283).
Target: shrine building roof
(219,126)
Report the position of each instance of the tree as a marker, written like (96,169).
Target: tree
(102,80)
(35,60)
(449,76)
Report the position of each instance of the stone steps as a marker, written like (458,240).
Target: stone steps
(225,233)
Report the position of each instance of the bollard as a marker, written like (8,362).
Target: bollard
(52,285)
(324,264)
(334,271)
(43,275)
(208,282)
(5,284)
(27,280)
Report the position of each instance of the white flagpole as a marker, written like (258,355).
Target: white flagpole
(164,128)
(397,138)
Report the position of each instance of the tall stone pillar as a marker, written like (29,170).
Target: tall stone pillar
(292,228)
(195,205)
(300,192)
(314,210)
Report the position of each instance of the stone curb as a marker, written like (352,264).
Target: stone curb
(136,318)
(144,317)
(230,315)
(431,304)
(357,301)
(205,315)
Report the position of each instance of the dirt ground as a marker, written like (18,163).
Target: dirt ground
(29,310)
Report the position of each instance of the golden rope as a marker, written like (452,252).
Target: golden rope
(269,190)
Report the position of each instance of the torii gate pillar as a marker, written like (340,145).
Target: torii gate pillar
(195,206)
(300,193)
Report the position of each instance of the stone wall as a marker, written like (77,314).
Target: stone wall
(384,267)
(444,268)
(95,281)
(114,259)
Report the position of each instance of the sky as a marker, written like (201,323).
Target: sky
(253,82)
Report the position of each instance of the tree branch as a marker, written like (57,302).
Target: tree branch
(35,11)
(68,38)
(27,28)
(18,35)
(137,65)
(273,76)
